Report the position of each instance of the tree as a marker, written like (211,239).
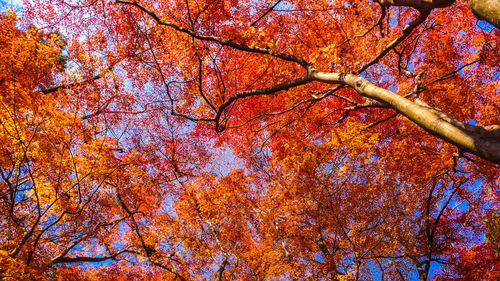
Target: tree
(479,262)
(254,140)
(56,168)
(480,140)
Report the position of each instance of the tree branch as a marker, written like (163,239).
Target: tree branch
(259,92)
(221,41)
(481,141)
(59,260)
(76,84)
(266,12)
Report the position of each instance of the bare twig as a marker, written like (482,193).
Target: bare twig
(266,12)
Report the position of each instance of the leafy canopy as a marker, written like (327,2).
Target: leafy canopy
(249,140)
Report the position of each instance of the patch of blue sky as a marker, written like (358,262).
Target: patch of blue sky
(16,5)
(485,25)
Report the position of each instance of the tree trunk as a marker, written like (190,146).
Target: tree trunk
(481,141)
(488,10)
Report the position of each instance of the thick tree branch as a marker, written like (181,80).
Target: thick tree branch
(63,259)
(481,141)
(221,41)
(258,92)
(418,4)
(488,10)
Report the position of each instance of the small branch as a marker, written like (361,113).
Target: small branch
(451,74)
(382,120)
(148,249)
(407,30)
(266,12)
(383,14)
(200,87)
(88,259)
(262,91)
(77,84)
(224,42)
(347,110)
(101,109)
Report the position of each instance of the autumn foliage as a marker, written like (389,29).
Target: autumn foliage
(249,140)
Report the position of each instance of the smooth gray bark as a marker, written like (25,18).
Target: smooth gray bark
(482,141)
(488,10)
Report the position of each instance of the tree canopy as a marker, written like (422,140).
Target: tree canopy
(250,140)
